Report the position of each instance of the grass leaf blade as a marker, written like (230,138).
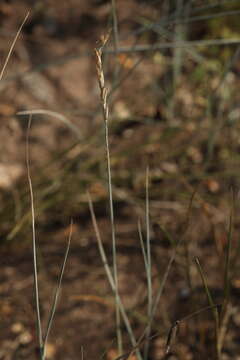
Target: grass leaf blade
(57,291)
(35,270)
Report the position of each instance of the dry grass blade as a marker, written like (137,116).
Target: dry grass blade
(105,109)
(55,115)
(57,291)
(35,271)
(42,342)
(206,17)
(209,296)
(197,312)
(100,245)
(115,39)
(115,25)
(224,325)
(214,309)
(170,263)
(142,244)
(226,309)
(12,46)
(172,334)
(149,265)
(172,45)
(149,275)
(162,285)
(128,354)
(227,261)
(111,277)
(141,340)
(159,292)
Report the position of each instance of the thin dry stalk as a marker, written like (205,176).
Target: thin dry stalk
(105,109)
(142,244)
(214,309)
(42,341)
(35,271)
(149,266)
(226,308)
(169,265)
(172,334)
(53,114)
(227,281)
(115,25)
(224,326)
(12,46)
(115,39)
(172,45)
(111,277)
(58,287)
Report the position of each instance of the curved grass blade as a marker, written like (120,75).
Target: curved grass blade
(54,114)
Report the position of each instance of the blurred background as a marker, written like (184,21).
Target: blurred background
(172,69)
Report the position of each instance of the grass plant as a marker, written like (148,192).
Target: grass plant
(42,339)
(105,110)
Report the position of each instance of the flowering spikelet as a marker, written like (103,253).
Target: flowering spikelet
(100,75)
